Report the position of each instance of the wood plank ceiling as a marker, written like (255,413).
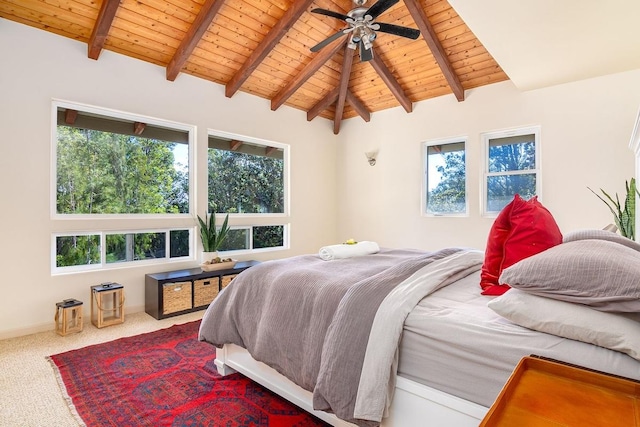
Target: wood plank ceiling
(262,47)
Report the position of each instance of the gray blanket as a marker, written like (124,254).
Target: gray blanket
(381,358)
(310,319)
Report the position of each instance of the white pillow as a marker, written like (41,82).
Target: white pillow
(574,321)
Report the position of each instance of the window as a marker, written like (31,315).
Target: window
(124,247)
(255,237)
(77,250)
(511,167)
(248,177)
(84,251)
(115,165)
(445,183)
(112,166)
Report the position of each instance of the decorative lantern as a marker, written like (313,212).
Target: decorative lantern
(68,317)
(107,304)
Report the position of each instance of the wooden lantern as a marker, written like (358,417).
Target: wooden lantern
(68,317)
(107,304)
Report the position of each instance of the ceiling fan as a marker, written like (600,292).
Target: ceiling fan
(362,27)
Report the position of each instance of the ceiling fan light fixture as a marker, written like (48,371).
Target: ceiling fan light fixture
(371,35)
(360,21)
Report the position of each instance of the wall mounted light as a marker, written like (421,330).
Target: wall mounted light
(371,157)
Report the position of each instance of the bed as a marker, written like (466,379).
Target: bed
(405,337)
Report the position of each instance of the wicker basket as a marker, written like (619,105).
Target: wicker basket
(204,291)
(226,280)
(176,297)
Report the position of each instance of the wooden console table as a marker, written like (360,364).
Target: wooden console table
(547,393)
(183,291)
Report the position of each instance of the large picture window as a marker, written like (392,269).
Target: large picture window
(113,166)
(445,177)
(511,167)
(248,177)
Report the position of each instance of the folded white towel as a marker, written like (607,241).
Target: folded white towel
(328,253)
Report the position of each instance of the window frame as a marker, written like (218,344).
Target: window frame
(102,224)
(425,176)
(286,173)
(110,113)
(250,220)
(251,249)
(104,265)
(486,138)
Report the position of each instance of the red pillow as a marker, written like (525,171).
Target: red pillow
(523,228)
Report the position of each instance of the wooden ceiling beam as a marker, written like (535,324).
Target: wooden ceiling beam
(430,36)
(200,25)
(347,62)
(278,31)
(138,128)
(70,116)
(323,56)
(235,145)
(332,97)
(101,28)
(358,106)
(391,82)
(268,150)
(323,104)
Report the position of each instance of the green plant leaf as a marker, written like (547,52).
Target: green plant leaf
(616,212)
(624,214)
(630,208)
(211,237)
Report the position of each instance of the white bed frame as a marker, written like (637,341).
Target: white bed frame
(413,404)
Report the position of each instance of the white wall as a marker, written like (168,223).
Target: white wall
(335,193)
(585,131)
(37,67)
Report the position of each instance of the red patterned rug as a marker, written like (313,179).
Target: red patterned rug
(166,378)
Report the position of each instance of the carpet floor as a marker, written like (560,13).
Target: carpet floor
(29,392)
(166,378)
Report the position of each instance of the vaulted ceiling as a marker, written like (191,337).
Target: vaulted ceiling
(262,47)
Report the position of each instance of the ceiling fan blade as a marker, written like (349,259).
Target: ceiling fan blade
(330,13)
(329,40)
(379,7)
(410,33)
(365,54)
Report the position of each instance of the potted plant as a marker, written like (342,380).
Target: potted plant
(624,215)
(212,237)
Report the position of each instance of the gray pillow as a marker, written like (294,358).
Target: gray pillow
(600,235)
(602,274)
